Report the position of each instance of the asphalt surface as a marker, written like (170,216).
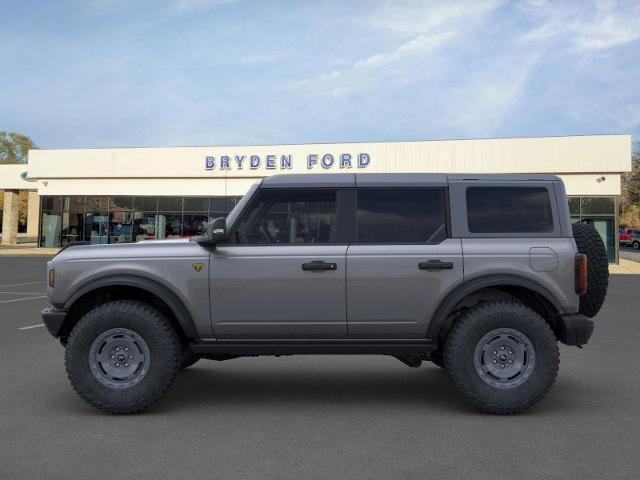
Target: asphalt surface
(628,253)
(316,417)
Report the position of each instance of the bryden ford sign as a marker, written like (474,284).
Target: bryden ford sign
(285,162)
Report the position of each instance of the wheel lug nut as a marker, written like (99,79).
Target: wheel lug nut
(117,364)
(126,364)
(130,356)
(510,361)
(117,349)
(495,352)
(126,349)
(495,361)
(113,356)
(502,348)
(502,365)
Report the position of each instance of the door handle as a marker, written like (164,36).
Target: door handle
(318,265)
(435,265)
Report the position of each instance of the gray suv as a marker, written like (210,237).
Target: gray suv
(479,274)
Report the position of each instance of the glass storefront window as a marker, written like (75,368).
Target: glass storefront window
(194,223)
(601,213)
(145,204)
(170,204)
(196,204)
(144,226)
(168,225)
(95,228)
(103,219)
(597,206)
(120,227)
(120,203)
(51,224)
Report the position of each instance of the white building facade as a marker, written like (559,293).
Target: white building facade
(128,194)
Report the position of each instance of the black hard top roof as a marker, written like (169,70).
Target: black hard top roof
(392,179)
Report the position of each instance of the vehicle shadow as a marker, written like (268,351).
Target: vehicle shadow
(206,385)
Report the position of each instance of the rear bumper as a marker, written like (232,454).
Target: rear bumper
(574,330)
(53,318)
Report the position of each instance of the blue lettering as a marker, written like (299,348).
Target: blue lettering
(285,161)
(363,160)
(327,160)
(224,162)
(345,160)
(271,162)
(209,163)
(312,159)
(239,161)
(254,162)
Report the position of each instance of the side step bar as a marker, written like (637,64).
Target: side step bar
(315,347)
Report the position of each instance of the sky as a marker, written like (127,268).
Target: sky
(114,73)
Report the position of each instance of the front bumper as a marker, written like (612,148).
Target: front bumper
(53,318)
(574,330)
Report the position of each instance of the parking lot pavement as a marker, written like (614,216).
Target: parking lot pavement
(628,253)
(316,416)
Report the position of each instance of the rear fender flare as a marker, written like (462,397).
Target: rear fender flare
(439,323)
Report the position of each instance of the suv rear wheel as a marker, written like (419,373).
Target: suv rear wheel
(122,356)
(502,356)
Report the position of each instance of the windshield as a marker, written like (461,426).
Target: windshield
(233,214)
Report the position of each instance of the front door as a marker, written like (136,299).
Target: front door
(402,263)
(283,274)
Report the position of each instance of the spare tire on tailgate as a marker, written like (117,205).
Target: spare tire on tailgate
(589,242)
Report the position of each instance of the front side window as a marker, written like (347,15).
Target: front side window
(386,215)
(289,217)
(509,210)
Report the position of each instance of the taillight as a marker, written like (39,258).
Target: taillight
(581,273)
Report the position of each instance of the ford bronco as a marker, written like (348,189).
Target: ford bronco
(482,275)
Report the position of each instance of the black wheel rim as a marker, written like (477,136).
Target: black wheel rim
(119,358)
(504,358)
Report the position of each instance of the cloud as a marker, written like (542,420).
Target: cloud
(606,25)
(364,72)
(418,31)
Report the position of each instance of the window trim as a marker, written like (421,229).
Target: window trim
(445,205)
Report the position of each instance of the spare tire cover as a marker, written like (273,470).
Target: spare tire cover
(589,242)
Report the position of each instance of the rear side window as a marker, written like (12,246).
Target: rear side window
(509,210)
(386,215)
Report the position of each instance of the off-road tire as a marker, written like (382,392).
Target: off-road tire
(165,356)
(589,242)
(636,245)
(461,343)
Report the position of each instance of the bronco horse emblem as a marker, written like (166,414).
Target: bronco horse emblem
(197,266)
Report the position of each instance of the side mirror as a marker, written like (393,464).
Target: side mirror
(217,230)
(216,233)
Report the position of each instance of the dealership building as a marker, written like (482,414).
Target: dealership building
(115,195)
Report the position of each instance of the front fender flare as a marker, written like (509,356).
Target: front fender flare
(174,303)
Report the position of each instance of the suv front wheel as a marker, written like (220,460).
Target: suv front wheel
(502,356)
(122,356)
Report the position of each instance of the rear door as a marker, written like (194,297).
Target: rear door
(402,262)
(284,274)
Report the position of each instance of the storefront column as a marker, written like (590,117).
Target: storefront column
(10,217)
(33,214)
